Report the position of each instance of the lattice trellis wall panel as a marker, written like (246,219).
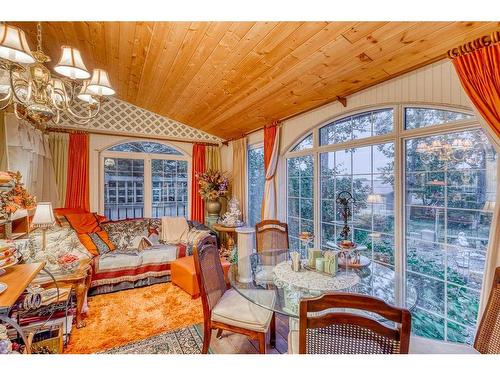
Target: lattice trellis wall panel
(121,117)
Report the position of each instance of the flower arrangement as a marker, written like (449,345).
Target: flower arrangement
(213,184)
(13,195)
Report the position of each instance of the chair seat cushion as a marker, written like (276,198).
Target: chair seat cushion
(293,342)
(235,310)
(422,345)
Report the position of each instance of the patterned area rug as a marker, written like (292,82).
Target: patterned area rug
(182,341)
(118,319)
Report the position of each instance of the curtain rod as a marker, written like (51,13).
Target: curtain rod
(278,123)
(128,135)
(476,44)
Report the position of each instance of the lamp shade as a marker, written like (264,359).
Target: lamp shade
(374,198)
(44,216)
(13,45)
(71,64)
(85,95)
(99,83)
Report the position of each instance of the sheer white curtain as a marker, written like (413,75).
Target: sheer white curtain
(29,153)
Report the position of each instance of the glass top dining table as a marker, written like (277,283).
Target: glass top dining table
(273,285)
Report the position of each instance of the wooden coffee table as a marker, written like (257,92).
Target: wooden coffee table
(79,279)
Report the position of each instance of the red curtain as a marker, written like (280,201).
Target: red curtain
(269,137)
(479,73)
(77,191)
(197,203)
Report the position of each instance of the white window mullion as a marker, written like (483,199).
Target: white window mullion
(316,201)
(148,187)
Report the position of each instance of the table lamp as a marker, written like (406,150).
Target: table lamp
(43,219)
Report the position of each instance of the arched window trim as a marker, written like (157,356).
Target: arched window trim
(399,111)
(107,150)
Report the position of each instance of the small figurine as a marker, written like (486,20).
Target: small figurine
(232,217)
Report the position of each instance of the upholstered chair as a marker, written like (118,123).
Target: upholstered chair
(271,235)
(226,309)
(326,327)
(487,337)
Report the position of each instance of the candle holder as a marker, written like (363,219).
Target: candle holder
(344,201)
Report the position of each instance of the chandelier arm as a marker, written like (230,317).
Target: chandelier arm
(7,99)
(91,115)
(12,87)
(16,112)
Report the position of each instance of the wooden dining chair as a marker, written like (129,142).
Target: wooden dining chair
(225,309)
(325,330)
(271,235)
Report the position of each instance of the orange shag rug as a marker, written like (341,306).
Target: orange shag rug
(123,317)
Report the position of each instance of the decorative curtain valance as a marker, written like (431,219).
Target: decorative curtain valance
(271,153)
(197,203)
(477,64)
(29,153)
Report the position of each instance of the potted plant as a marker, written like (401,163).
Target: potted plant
(213,184)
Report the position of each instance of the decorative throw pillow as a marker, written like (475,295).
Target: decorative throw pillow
(101,246)
(60,215)
(84,223)
(97,243)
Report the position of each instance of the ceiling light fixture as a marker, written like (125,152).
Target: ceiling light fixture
(40,96)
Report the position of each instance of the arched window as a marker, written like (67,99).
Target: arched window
(424,184)
(145,146)
(144,179)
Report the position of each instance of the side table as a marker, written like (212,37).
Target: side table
(17,278)
(231,238)
(79,279)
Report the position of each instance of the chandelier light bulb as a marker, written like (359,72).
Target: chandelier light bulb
(85,95)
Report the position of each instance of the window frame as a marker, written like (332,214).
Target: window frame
(398,136)
(148,178)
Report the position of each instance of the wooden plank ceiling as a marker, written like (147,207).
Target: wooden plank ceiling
(228,78)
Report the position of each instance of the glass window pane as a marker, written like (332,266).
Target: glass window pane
(168,200)
(450,191)
(424,117)
(359,126)
(123,178)
(256,183)
(305,144)
(300,171)
(372,223)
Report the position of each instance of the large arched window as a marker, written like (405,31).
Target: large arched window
(424,181)
(144,179)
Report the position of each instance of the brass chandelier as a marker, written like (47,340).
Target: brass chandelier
(40,96)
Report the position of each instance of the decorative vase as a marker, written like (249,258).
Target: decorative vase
(213,207)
